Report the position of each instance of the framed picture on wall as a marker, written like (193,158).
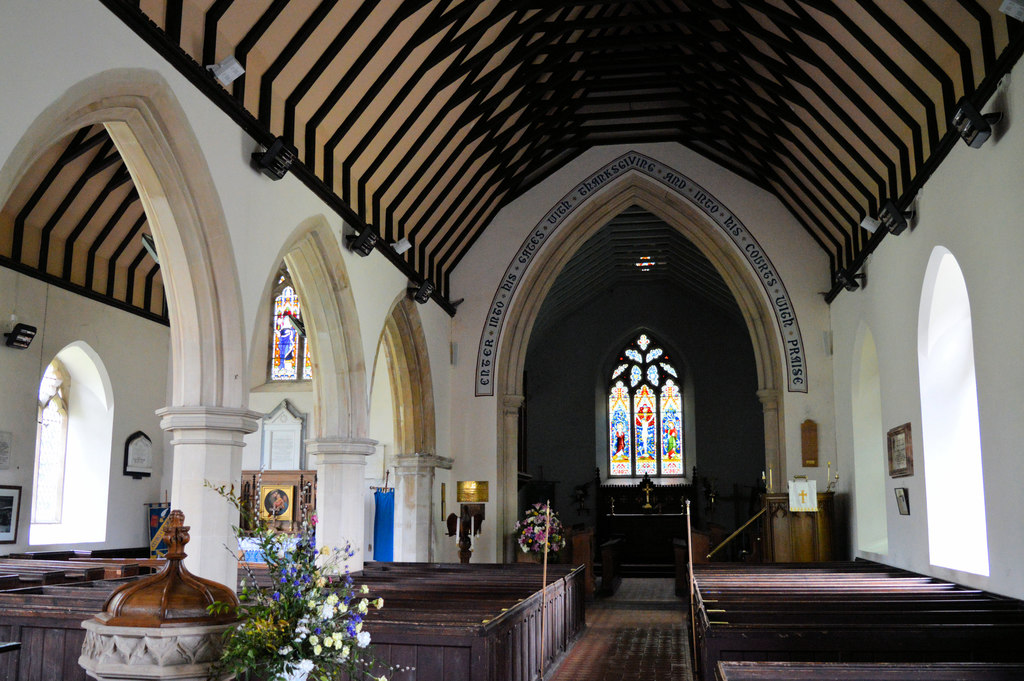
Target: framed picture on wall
(901,453)
(10,509)
(903,500)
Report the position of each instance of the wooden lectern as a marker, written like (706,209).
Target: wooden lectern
(795,537)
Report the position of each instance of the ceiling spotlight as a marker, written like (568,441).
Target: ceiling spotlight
(851,282)
(973,126)
(364,242)
(870,224)
(150,246)
(421,293)
(275,161)
(894,219)
(401,246)
(20,336)
(1013,8)
(227,70)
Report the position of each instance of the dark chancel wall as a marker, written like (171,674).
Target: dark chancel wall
(568,365)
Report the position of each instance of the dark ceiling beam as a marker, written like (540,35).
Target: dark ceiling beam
(952,39)
(147,300)
(116,180)
(172,20)
(210,22)
(297,42)
(248,42)
(99,161)
(126,241)
(90,262)
(130,274)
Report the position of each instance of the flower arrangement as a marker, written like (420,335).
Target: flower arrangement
(530,531)
(308,620)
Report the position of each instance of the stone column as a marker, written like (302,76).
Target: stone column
(414,505)
(774,451)
(207,444)
(508,474)
(341,492)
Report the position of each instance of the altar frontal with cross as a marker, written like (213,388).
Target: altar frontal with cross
(803,495)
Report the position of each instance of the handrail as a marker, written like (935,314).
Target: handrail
(740,529)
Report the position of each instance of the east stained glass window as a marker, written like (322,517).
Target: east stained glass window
(290,358)
(645,418)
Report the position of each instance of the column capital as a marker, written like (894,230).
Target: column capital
(512,403)
(769,398)
(208,425)
(341,450)
(420,462)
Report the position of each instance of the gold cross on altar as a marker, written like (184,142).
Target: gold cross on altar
(646,488)
(803,497)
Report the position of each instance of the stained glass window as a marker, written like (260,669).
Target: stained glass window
(645,422)
(51,445)
(290,358)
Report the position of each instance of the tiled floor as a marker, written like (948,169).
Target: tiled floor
(640,634)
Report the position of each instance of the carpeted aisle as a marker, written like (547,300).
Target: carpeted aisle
(640,634)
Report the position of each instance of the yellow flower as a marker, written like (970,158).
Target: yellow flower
(328,642)
(317,650)
(314,639)
(379,603)
(364,589)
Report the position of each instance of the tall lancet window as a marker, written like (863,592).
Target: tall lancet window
(289,352)
(645,407)
(51,445)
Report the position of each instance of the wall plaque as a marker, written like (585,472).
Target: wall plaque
(472,491)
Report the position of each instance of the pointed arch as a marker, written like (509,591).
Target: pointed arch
(632,188)
(314,260)
(412,392)
(167,165)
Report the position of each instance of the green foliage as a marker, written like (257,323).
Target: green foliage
(310,616)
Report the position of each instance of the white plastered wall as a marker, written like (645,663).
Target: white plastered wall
(802,265)
(973,206)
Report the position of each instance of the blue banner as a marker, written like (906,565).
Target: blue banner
(384,525)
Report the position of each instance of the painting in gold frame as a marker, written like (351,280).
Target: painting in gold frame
(277,502)
(901,453)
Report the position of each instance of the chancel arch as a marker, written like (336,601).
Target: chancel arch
(207,416)
(628,189)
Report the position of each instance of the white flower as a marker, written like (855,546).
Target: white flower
(328,642)
(344,652)
(314,639)
(363,639)
(379,603)
(327,612)
(305,666)
(317,650)
(361,607)
(284,650)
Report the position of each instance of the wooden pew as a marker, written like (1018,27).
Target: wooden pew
(847,612)
(828,671)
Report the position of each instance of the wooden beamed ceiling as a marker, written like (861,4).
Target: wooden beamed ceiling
(421,119)
(75,220)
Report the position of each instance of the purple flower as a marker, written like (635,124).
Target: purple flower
(277,595)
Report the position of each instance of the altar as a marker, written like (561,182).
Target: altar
(646,515)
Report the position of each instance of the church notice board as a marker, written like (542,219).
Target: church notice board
(798,537)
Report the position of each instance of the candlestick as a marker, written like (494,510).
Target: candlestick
(472,526)
(829,478)
(770,485)
(458,529)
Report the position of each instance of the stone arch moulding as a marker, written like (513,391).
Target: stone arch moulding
(166,163)
(751,277)
(340,397)
(412,388)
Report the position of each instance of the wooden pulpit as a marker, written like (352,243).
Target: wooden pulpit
(798,537)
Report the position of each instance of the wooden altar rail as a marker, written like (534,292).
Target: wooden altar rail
(847,612)
(828,671)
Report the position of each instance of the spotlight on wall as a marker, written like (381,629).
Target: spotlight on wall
(227,70)
(869,223)
(401,246)
(974,127)
(1013,8)
(421,293)
(851,282)
(275,160)
(364,242)
(20,336)
(150,246)
(894,219)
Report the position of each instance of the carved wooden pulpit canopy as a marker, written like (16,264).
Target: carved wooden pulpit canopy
(171,597)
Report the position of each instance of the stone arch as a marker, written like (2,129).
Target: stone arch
(317,268)
(207,417)
(412,392)
(167,165)
(633,188)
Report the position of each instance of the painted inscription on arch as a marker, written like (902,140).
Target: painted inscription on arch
(746,244)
